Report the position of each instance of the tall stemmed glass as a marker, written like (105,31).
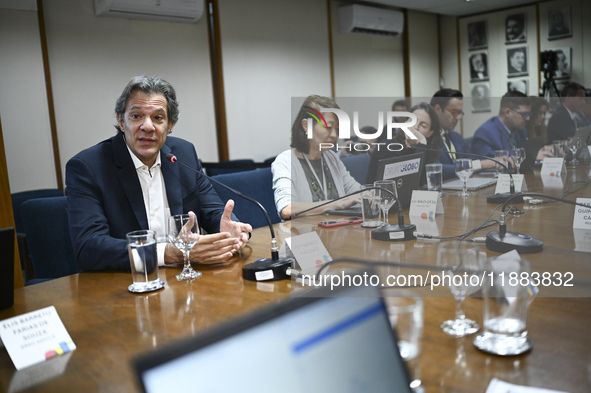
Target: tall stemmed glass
(183,232)
(574,144)
(385,199)
(457,258)
(464,171)
(518,155)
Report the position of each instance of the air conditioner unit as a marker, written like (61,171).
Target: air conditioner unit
(357,18)
(188,11)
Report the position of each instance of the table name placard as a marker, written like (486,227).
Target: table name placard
(425,204)
(308,251)
(553,166)
(34,337)
(582,218)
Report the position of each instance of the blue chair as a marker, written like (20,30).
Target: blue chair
(48,237)
(257,184)
(231,166)
(357,165)
(17,199)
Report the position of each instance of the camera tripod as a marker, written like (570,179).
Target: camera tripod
(549,88)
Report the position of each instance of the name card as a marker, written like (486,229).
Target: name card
(553,166)
(425,204)
(308,251)
(504,183)
(582,239)
(582,218)
(34,337)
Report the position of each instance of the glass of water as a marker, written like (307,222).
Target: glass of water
(464,171)
(434,177)
(183,232)
(143,259)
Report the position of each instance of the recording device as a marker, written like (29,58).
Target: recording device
(399,232)
(499,197)
(266,269)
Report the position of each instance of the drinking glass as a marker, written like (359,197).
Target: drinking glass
(183,232)
(369,208)
(574,144)
(434,177)
(456,258)
(464,171)
(501,155)
(386,196)
(518,155)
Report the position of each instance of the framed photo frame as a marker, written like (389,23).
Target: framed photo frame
(517,61)
(518,85)
(559,22)
(515,28)
(478,66)
(563,63)
(477,35)
(480,97)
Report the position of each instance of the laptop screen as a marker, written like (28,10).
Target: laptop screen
(406,170)
(308,344)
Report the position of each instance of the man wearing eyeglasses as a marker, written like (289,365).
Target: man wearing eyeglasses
(449,105)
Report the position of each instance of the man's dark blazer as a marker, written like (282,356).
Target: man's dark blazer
(105,199)
(493,135)
(560,126)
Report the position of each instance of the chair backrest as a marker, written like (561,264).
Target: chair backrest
(19,197)
(48,237)
(357,165)
(257,184)
(231,166)
(6,267)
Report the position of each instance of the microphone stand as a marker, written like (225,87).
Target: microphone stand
(504,241)
(266,269)
(399,232)
(495,198)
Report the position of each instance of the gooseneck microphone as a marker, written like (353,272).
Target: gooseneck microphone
(504,241)
(267,269)
(495,198)
(399,232)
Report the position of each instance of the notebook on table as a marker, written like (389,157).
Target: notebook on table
(335,341)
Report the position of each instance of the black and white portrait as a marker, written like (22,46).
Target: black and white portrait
(559,23)
(517,85)
(562,63)
(517,61)
(515,28)
(478,67)
(477,38)
(480,97)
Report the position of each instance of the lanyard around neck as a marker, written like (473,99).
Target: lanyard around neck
(323,185)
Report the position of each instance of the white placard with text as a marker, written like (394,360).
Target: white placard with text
(425,204)
(553,166)
(308,251)
(504,183)
(34,337)
(582,218)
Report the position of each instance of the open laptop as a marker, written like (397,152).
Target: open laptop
(406,170)
(473,183)
(335,341)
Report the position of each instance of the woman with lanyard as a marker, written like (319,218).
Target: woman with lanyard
(310,172)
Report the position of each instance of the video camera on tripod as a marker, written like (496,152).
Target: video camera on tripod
(549,65)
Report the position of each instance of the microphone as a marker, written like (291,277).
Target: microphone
(504,241)
(399,232)
(266,269)
(495,198)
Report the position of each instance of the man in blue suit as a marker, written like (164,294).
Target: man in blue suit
(125,183)
(449,105)
(568,117)
(505,131)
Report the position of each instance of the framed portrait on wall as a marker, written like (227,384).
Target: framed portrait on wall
(559,23)
(477,35)
(518,85)
(563,63)
(478,66)
(517,61)
(515,28)
(480,97)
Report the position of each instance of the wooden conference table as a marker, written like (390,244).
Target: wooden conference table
(111,326)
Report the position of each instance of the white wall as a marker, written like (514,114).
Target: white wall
(423,46)
(23,103)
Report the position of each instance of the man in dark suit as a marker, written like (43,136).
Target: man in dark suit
(564,122)
(125,183)
(449,105)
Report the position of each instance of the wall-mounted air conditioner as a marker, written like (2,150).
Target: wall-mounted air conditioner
(357,18)
(188,11)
